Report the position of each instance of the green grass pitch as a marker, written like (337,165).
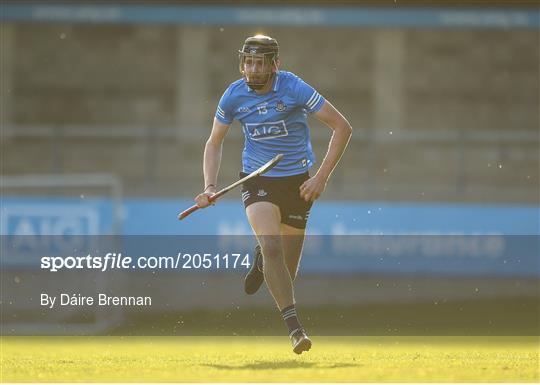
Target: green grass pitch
(269,359)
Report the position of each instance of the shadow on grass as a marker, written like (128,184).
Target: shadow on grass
(289,364)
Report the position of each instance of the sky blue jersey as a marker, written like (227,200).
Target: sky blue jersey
(273,123)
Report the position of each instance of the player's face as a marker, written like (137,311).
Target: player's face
(257,68)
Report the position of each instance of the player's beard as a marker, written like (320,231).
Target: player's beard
(258,81)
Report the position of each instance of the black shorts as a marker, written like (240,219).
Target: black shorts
(284,192)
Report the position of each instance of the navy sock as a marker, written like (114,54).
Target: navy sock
(291,319)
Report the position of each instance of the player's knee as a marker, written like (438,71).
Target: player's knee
(272,248)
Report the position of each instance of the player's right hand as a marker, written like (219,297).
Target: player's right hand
(203,199)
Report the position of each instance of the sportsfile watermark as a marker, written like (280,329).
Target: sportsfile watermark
(467,255)
(345,285)
(112,261)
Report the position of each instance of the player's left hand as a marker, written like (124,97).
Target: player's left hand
(312,188)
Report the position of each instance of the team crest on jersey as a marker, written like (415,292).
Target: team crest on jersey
(280,106)
(267,130)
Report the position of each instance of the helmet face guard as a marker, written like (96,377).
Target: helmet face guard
(257,68)
(258,60)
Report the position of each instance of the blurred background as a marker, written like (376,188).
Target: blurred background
(106,108)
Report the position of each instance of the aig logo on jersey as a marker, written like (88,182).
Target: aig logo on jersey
(268,130)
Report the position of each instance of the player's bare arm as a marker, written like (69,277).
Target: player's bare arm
(312,188)
(212,160)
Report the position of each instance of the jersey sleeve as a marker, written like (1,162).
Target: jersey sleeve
(224,109)
(308,97)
